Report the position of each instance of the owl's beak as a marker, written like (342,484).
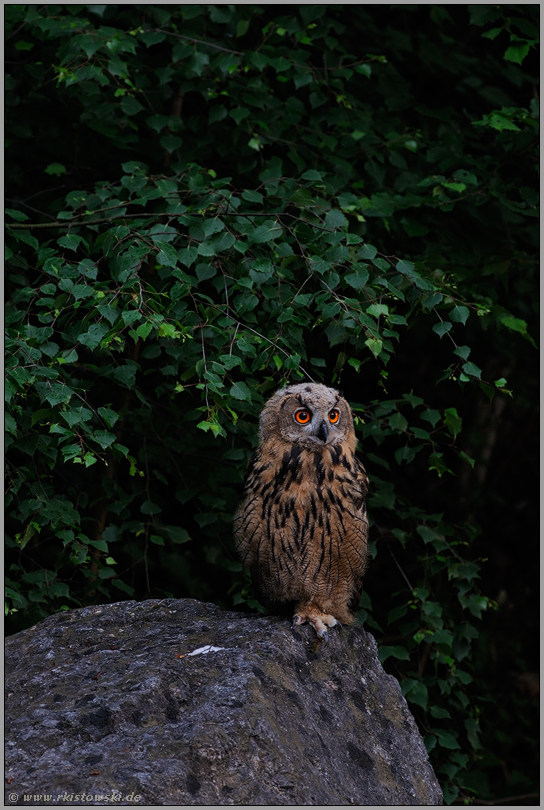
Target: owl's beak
(322,432)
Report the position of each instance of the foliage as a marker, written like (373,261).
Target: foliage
(208,202)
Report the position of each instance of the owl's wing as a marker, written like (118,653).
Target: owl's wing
(246,523)
(362,480)
(359,494)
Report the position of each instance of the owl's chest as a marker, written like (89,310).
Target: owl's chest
(301,479)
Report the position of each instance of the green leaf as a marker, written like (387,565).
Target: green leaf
(472,727)
(56,169)
(126,374)
(462,351)
(431,416)
(94,335)
(54,393)
(405,454)
(252,196)
(157,539)
(436,462)
(517,52)
(70,241)
(144,329)
(110,417)
(177,534)
(18,215)
(400,653)
(376,310)
(472,370)
(205,271)
(459,187)
(302,197)
(459,314)
(261,271)
(171,142)
(312,174)
(104,438)
(430,744)
(335,219)
(413,400)
(453,421)
(442,328)
(398,422)
(396,613)
(266,232)
(150,508)
(439,712)
(167,255)
(514,324)
(131,106)
(240,391)
(406,268)
(433,300)
(443,637)
(446,739)
(367,252)
(417,693)
(242,27)
(375,345)
(467,458)
(329,310)
(188,256)
(76,416)
(429,536)
(493,33)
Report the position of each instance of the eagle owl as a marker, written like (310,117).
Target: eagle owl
(301,528)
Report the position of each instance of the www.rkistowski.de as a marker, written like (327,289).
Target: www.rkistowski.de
(75,797)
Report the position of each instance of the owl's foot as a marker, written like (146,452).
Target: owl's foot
(319,621)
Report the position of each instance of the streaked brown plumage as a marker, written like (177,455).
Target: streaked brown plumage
(301,527)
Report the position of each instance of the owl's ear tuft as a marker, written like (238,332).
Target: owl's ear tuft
(341,392)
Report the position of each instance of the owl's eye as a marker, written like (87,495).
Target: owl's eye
(302,417)
(334,416)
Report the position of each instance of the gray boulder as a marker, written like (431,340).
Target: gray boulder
(176,702)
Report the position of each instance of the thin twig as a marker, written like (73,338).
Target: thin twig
(198,41)
(30,208)
(205,367)
(400,569)
(234,338)
(272,343)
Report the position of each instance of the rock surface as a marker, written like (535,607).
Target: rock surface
(119,704)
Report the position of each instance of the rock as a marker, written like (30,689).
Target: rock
(176,702)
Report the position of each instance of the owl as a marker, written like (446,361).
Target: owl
(301,528)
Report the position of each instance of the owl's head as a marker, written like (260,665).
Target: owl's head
(310,415)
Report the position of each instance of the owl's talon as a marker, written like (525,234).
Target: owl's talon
(320,622)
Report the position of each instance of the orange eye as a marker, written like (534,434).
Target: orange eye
(334,416)
(302,417)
